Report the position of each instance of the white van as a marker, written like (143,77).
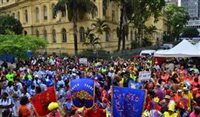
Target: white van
(147,52)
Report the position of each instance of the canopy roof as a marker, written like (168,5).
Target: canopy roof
(183,49)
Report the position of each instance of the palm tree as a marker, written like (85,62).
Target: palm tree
(100,26)
(76,10)
(91,39)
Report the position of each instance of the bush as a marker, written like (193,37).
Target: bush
(134,44)
(146,42)
(91,54)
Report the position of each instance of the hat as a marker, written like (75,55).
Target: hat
(52,106)
(171,107)
(167,97)
(179,91)
(156,99)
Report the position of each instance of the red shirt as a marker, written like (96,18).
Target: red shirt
(98,113)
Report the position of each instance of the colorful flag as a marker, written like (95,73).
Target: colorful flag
(41,101)
(127,102)
(82,91)
(134,85)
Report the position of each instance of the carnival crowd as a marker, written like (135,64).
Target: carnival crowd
(172,91)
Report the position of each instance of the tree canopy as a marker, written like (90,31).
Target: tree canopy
(76,10)
(18,45)
(91,39)
(137,13)
(175,19)
(10,23)
(100,26)
(190,32)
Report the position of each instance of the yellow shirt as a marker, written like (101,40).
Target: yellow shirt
(189,96)
(121,82)
(166,114)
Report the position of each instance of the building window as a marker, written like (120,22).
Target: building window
(37,33)
(25,32)
(37,14)
(45,13)
(104,6)
(64,35)
(131,35)
(26,15)
(18,15)
(107,35)
(53,15)
(63,12)
(54,35)
(13,14)
(45,34)
(82,34)
(113,15)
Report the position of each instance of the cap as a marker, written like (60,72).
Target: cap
(156,99)
(167,97)
(52,106)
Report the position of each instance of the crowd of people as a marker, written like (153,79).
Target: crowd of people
(172,91)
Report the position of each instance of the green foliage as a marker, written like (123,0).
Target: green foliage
(138,13)
(175,19)
(146,42)
(143,10)
(92,35)
(80,7)
(99,53)
(150,30)
(18,45)
(10,23)
(134,44)
(190,32)
(76,10)
(100,26)
(166,38)
(91,39)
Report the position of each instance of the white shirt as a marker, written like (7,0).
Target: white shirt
(6,102)
(19,85)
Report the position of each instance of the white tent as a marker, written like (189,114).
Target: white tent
(160,53)
(183,49)
(198,45)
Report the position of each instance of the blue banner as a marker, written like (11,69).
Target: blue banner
(134,85)
(82,92)
(127,102)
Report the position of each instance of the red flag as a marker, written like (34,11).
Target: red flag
(41,101)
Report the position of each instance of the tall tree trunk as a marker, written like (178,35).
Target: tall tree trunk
(119,41)
(122,26)
(140,36)
(75,30)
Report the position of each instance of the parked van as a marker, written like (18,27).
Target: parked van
(147,52)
